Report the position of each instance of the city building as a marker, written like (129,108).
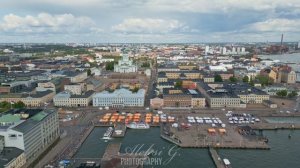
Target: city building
(218,97)
(208,79)
(270,73)
(186,98)
(224,51)
(156,103)
(231,95)
(96,71)
(11,157)
(30,100)
(248,94)
(43,86)
(75,76)
(75,89)
(125,65)
(66,99)
(287,76)
(119,98)
(30,130)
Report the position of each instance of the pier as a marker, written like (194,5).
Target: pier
(199,137)
(216,158)
(275,126)
(112,150)
(119,130)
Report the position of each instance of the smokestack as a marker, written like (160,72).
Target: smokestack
(281,45)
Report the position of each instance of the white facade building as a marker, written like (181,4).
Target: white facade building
(224,51)
(119,98)
(206,50)
(233,51)
(125,65)
(243,50)
(66,99)
(33,134)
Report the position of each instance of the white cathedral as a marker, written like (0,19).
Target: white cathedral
(125,65)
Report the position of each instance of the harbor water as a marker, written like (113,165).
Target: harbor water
(284,150)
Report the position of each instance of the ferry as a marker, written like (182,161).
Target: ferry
(135,125)
(108,133)
(226,163)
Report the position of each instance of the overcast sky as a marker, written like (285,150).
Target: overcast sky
(149,20)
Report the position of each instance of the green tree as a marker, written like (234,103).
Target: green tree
(109,66)
(264,80)
(178,84)
(233,79)
(218,78)
(292,94)
(135,90)
(5,105)
(19,104)
(146,65)
(89,72)
(246,79)
(282,93)
(251,82)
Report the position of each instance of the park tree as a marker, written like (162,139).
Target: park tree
(178,84)
(292,94)
(218,78)
(5,105)
(264,80)
(246,79)
(135,90)
(282,93)
(233,79)
(146,65)
(19,104)
(109,66)
(89,72)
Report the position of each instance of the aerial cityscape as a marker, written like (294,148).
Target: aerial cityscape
(146,84)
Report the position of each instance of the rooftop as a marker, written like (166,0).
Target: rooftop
(34,120)
(120,92)
(8,154)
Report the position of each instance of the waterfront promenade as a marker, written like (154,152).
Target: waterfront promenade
(216,158)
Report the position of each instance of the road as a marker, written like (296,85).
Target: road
(150,91)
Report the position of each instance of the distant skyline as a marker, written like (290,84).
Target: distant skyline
(149,21)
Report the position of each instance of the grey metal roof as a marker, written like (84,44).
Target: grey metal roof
(8,154)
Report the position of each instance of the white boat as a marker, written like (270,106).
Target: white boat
(226,163)
(135,125)
(108,133)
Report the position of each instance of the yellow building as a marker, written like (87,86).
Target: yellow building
(254,98)
(162,79)
(12,157)
(198,102)
(34,100)
(192,75)
(173,75)
(187,67)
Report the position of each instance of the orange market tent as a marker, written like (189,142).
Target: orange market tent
(211,130)
(222,130)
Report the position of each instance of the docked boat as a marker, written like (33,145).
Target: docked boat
(108,133)
(227,163)
(135,125)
